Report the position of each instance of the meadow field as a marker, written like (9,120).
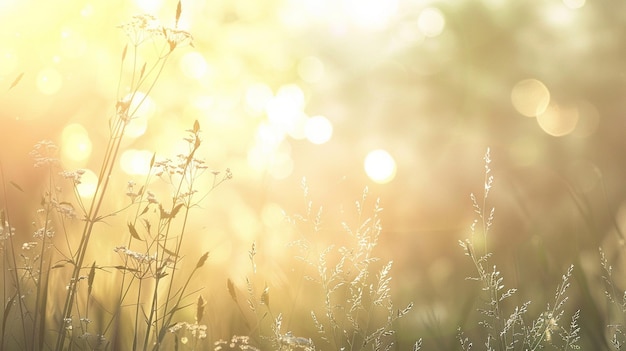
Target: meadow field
(312,175)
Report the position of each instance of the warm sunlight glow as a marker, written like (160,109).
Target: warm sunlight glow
(574,4)
(291,97)
(297,126)
(136,162)
(87,10)
(285,110)
(558,120)
(76,144)
(431,22)
(269,136)
(318,129)
(139,123)
(380,166)
(73,45)
(257,97)
(371,14)
(311,69)
(89,182)
(8,61)
(530,97)
(271,154)
(193,65)
(49,81)
(149,6)
(281,164)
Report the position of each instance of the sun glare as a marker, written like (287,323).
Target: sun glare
(318,129)
(380,166)
(76,144)
(89,182)
(285,110)
(136,162)
(271,153)
(145,109)
(371,14)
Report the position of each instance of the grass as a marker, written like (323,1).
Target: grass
(61,293)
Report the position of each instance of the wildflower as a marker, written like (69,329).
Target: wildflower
(122,106)
(135,256)
(151,197)
(68,323)
(198,331)
(66,209)
(141,28)
(177,37)
(130,191)
(551,325)
(199,164)
(29,245)
(295,341)
(236,342)
(176,327)
(44,153)
(74,176)
(6,230)
(40,232)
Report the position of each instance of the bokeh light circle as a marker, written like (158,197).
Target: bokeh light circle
(297,126)
(193,65)
(318,129)
(142,109)
(136,162)
(76,144)
(257,97)
(558,120)
(285,110)
(431,22)
(370,14)
(380,166)
(530,97)
(88,185)
(49,81)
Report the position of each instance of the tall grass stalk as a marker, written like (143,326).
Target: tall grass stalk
(141,30)
(358,312)
(511,331)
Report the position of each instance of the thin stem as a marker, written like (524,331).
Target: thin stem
(12,254)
